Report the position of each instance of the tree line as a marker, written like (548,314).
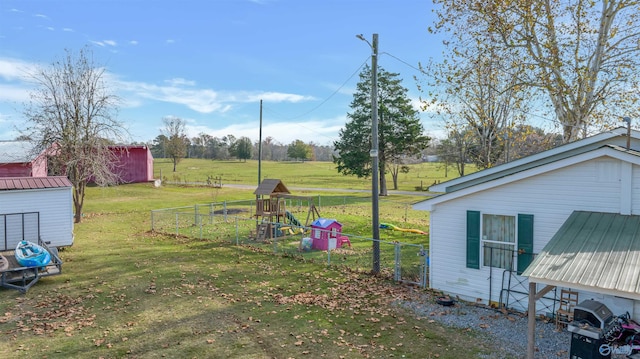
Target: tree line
(175,144)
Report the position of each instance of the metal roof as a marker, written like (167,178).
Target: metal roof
(21,183)
(592,251)
(16,152)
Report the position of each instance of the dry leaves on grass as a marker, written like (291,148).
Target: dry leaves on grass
(47,314)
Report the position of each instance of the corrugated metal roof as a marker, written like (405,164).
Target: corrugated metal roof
(16,152)
(270,187)
(21,183)
(594,251)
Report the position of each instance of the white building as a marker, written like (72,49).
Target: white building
(565,218)
(36,207)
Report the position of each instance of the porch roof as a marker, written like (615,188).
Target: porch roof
(592,251)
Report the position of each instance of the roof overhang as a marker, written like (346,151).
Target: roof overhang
(592,251)
(603,151)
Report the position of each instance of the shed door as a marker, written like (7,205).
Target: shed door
(16,227)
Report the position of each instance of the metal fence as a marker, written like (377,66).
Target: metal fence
(234,221)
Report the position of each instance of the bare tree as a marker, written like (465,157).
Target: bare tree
(582,54)
(481,99)
(72,114)
(176,137)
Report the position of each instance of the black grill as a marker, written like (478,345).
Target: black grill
(591,321)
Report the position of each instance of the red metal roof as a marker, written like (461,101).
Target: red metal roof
(15,183)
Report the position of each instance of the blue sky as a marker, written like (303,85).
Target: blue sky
(211,62)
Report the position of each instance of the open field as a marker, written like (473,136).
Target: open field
(126,292)
(296,174)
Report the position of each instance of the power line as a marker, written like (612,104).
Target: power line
(330,96)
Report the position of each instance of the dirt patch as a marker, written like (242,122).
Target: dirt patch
(230,211)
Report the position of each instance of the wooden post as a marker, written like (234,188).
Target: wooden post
(531,324)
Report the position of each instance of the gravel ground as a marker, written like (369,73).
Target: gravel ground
(507,330)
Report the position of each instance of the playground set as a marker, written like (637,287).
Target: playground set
(274,220)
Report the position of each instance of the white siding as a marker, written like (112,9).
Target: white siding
(54,206)
(550,197)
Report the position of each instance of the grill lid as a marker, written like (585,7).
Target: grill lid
(593,313)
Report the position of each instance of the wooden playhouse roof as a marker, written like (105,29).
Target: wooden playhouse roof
(271,187)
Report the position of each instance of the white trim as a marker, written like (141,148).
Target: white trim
(620,131)
(429,204)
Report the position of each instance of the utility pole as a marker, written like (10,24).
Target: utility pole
(375,181)
(260,147)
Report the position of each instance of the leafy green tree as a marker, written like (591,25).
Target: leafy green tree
(242,149)
(177,140)
(158,146)
(299,150)
(400,132)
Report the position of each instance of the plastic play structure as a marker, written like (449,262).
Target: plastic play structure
(274,218)
(326,234)
(396,228)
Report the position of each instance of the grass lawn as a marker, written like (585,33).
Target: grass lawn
(296,174)
(126,292)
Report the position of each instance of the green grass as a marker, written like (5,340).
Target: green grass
(126,292)
(295,174)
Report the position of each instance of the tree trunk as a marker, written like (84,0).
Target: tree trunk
(383,179)
(78,201)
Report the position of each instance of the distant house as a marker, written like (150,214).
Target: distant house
(568,217)
(134,164)
(18,159)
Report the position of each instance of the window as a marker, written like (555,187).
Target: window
(494,238)
(498,240)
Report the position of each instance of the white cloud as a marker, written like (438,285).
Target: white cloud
(15,70)
(104,43)
(277,97)
(180,82)
(133,42)
(203,100)
(12,93)
(66,29)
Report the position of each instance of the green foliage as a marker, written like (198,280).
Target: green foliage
(400,133)
(241,149)
(299,150)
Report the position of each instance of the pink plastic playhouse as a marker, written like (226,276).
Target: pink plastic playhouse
(327,234)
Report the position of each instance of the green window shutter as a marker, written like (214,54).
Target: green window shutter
(525,241)
(473,239)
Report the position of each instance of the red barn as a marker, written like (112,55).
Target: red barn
(135,163)
(18,159)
